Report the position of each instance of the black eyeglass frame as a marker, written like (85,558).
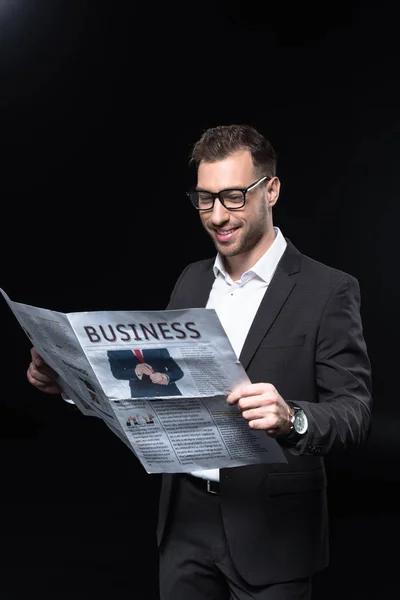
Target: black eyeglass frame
(218,195)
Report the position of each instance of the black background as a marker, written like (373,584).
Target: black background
(100,103)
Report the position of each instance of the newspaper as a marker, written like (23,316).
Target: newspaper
(158,379)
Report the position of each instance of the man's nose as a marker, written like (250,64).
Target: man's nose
(219,214)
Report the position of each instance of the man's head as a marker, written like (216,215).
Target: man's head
(236,157)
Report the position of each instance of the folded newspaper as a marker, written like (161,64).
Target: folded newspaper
(158,379)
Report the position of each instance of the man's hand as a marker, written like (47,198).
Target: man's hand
(160,378)
(263,407)
(143,369)
(41,376)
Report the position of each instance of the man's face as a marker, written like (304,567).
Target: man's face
(235,231)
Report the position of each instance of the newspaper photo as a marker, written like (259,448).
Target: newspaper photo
(158,379)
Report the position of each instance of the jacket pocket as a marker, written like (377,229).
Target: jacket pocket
(296,483)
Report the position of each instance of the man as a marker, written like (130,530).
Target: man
(261,531)
(151,372)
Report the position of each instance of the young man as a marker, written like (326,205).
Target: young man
(261,531)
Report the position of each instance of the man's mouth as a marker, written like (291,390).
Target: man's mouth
(225,235)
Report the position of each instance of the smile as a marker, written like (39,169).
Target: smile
(225,234)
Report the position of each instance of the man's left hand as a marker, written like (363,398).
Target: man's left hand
(159,378)
(263,407)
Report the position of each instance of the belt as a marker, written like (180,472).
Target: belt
(207,485)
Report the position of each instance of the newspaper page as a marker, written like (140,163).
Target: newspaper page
(158,379)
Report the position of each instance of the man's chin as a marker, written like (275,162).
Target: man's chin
(227,250)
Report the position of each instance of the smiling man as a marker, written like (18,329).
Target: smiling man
(261,531)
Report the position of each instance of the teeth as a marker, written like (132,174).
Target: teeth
(225,232)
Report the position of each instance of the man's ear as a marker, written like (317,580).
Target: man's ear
(273,190)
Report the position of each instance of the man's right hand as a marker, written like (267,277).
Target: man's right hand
(143,369)
(41,376)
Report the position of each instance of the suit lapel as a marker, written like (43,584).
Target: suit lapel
(279,290)
(197,296)
(207,281)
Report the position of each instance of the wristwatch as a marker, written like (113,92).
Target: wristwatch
(299,422)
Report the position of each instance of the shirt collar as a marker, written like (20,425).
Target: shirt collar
(265,267)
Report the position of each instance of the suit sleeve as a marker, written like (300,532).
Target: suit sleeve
(122,364)
(342,416)
(172,369)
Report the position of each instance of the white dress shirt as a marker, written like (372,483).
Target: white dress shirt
(236,302)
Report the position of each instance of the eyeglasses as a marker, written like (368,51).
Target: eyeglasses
(231,198)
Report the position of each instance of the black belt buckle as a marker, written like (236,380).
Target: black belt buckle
(209,489)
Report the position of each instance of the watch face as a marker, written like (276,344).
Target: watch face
(300,423)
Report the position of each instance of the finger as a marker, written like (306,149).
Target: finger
(264,402)
(48,386)
(39,376)
(255,413)
(36,358)
(39,363)
(44,371)
(246,390)
(263,424)
(44,375)
(270,419)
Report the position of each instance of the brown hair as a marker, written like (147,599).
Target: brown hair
(219,142)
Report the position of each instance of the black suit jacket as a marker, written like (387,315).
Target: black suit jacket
(307,340)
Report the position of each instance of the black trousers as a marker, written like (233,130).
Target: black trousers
(195,563)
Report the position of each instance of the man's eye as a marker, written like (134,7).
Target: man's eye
(233,196)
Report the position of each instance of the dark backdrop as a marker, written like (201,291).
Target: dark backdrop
(99,106)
